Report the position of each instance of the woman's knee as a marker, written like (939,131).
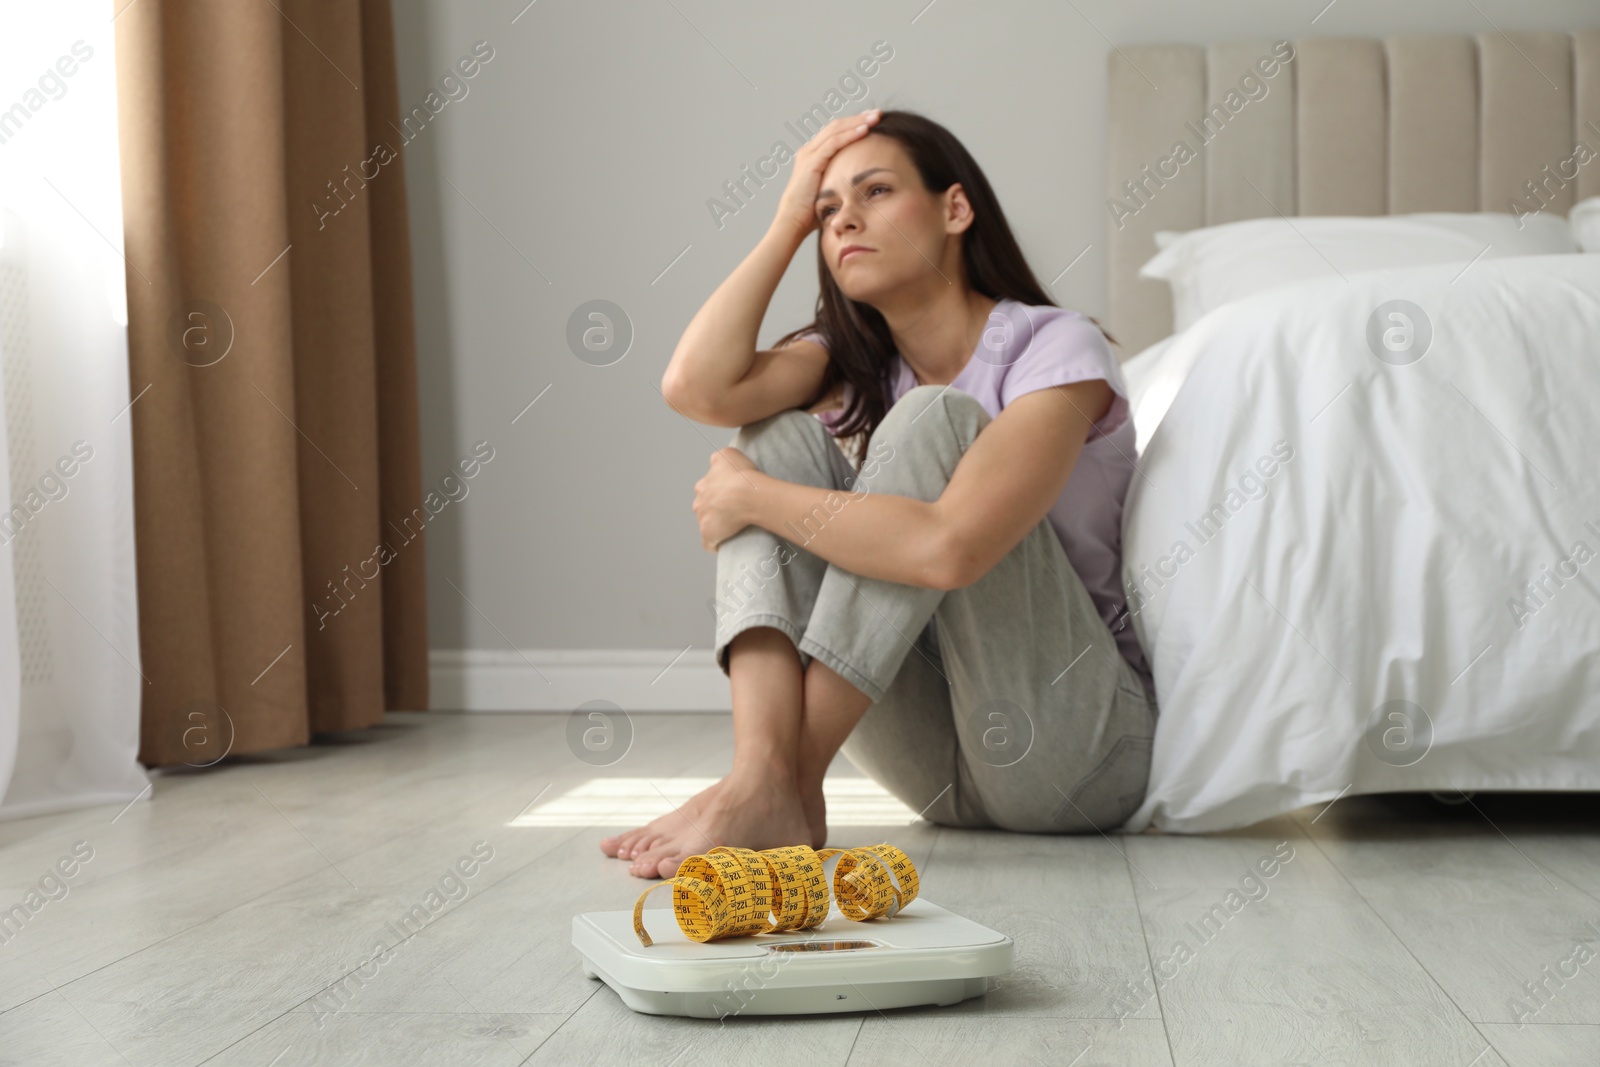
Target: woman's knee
(785,425)
(910,425)
(906,415)
(786,445)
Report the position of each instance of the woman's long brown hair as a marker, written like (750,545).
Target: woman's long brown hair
(860,348)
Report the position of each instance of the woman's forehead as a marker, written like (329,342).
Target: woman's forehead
(849,163)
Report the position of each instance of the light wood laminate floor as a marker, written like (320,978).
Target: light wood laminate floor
(247,914)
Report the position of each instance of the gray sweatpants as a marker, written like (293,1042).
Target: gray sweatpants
(1001,704)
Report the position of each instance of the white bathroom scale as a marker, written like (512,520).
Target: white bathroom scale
(922,955)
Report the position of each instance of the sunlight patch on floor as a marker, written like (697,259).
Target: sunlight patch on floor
(629,802)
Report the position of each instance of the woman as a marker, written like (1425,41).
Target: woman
(948,609)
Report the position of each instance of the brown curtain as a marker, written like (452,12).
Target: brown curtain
(276,473)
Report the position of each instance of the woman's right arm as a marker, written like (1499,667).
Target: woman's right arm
(716,375)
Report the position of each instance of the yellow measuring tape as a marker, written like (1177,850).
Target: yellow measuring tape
(729,892)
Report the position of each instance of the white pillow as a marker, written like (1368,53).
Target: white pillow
(1216,265)
(1584,219)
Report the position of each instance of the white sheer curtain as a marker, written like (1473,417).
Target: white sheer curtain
(70,680)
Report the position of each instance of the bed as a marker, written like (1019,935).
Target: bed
(1363,545)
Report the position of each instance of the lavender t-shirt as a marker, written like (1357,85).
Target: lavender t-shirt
(1027,347)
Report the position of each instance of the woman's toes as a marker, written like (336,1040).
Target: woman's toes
(647,865)
(631,844)
(659,861)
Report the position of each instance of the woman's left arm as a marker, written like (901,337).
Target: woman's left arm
(1004,484)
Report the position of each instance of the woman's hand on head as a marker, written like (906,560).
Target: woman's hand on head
(797,208)
(722,499)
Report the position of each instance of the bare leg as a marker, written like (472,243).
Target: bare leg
(832,708)
(786,732)
(765,677)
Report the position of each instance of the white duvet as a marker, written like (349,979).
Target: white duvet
(1357,574)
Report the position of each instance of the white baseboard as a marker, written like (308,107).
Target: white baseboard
(563,679)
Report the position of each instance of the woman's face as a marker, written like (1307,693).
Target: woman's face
(873,197)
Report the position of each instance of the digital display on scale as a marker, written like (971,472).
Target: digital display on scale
(821,946)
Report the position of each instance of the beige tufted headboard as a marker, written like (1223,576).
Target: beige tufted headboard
(1341,126)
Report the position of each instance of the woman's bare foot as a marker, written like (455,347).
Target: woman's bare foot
(751,810)
(626,846)
(629,845)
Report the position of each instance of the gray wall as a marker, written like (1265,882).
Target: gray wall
(591,144)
